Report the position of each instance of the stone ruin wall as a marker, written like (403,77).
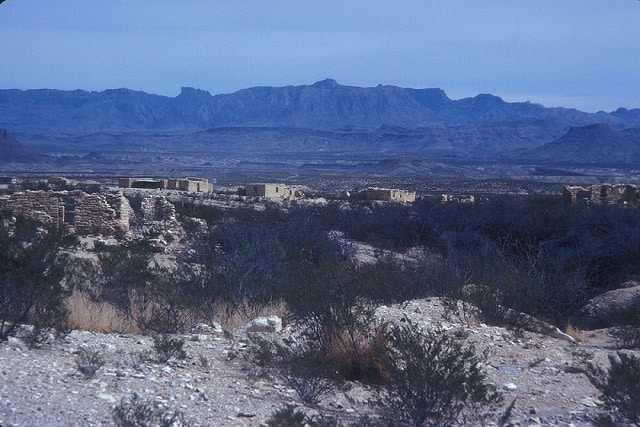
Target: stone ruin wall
(39,205)
(102,213)
(157,208)
(623,194)
(82,213)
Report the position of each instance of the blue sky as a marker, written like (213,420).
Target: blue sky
(583,54)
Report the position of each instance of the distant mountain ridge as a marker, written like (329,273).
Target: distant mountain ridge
(324,105)
(596,143)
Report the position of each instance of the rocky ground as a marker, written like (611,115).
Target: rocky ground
(219,383)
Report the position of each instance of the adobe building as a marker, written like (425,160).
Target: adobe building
(189,184)
(272,191)
(619,194)
(385,194)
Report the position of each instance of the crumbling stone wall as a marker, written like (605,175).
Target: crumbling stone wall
(623,194)
(75,210)
(157,208)
(43,206)
(102,213)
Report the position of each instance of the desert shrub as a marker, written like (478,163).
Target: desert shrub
(124,272)
(311,388)
(136,411)
(167,347)
(620,384)
(288,417)
(293,417)
(627,336)
(89,361)
(327,301)
(32,272)
(171,302)
(434,378)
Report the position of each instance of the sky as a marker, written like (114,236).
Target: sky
(582,54)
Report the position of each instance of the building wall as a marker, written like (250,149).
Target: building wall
(272,191)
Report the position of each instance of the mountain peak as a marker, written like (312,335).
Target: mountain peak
(326,84)
(190,92)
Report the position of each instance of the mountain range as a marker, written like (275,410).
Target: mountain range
(386,129)
(324,105)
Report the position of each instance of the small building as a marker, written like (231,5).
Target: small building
(148,183)
(190,184)
(460,198)
(272,191)
(385,194)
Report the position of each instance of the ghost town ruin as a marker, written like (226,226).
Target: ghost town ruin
(272,191)
(385,194)
(190,184)
(619,194)
(449,198)
(82,213)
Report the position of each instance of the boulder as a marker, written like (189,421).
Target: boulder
(612,308)
(264,324)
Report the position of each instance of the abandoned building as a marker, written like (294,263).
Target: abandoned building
(463,198)
(272,191)
(616,194)
(385,194)
(189,184)
(82,213)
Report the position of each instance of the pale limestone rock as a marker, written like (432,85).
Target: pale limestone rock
(265,324)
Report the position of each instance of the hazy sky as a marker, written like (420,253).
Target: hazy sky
(573,53)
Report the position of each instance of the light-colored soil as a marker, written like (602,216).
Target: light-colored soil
(219,384)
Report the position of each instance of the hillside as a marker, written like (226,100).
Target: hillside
(596,143)
(12,151)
